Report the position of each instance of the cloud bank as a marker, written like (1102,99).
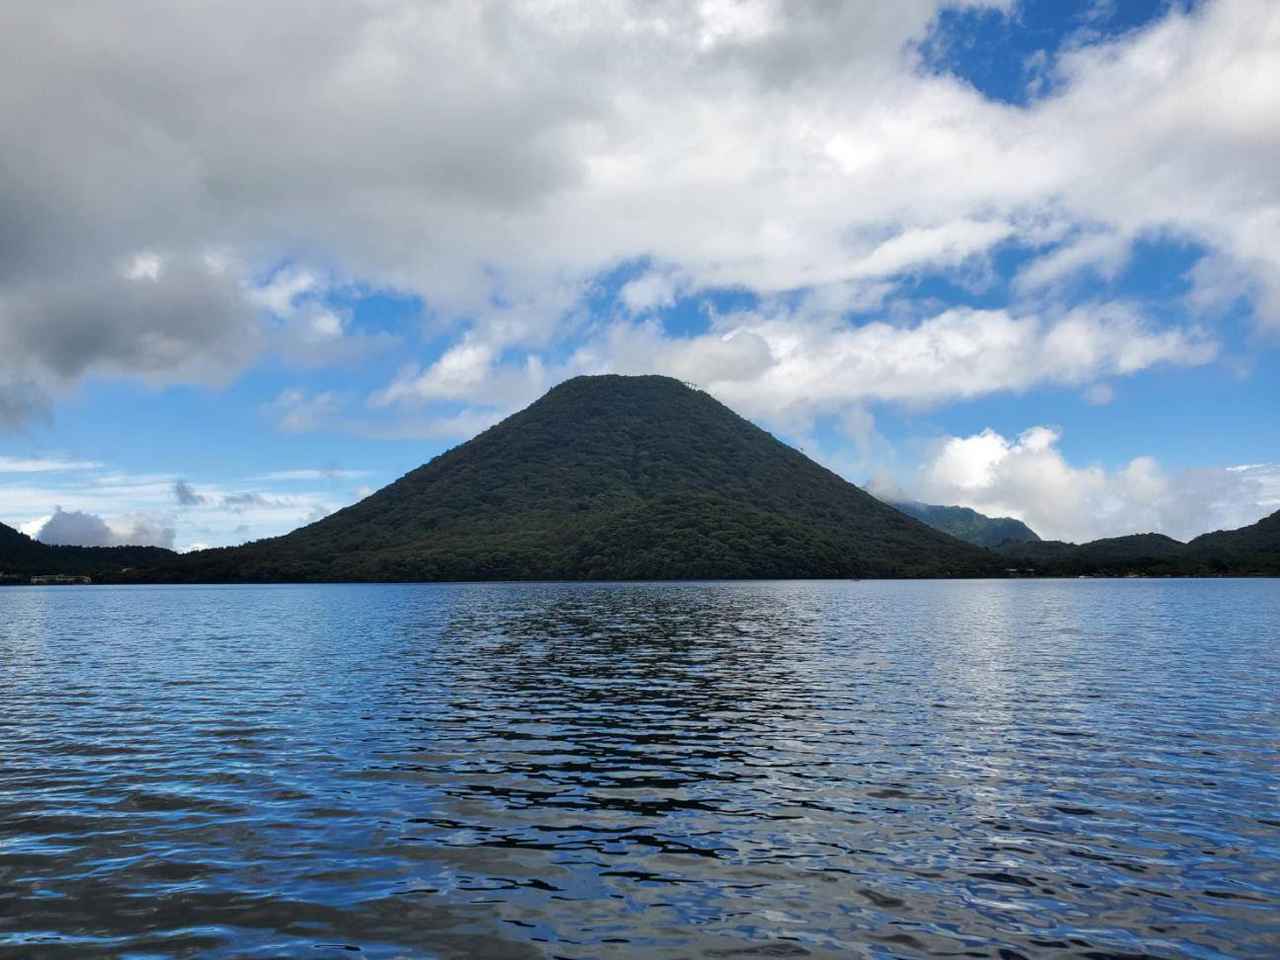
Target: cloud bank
(1029,478)
(494,158)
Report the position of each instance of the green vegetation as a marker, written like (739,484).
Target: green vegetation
(1249,551)
(969,525)
(22,558)
(606,478)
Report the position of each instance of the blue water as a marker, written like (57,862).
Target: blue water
(876,769)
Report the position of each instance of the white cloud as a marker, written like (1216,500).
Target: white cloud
(785,362)
(461,371)
(1265,478)
(327,473)
(45,465)
(77,528)
(306,329)
(33,526)
(144,266)
(795,359)
(1103,251)
(297,411)
(481,154)
(1029,478)
(281,293)
(652,290)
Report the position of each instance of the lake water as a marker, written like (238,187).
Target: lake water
(876,769)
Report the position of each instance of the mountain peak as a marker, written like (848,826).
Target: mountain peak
(610,477)
(608,382)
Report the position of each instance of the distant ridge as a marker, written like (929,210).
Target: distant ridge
(606,477)
(20,556)
(1250,551)
(968,525)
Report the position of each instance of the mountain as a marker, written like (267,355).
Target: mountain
(1113,556)
(21,556)
(969,525)
(1250,551)
(1255,547)
(606,477)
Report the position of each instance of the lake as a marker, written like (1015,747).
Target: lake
(994,769)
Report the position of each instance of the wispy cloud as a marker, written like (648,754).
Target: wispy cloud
(45,465)
(186,495)
(330,473)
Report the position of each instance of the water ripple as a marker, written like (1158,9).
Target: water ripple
(1003,769)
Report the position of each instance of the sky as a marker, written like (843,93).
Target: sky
(1019,255)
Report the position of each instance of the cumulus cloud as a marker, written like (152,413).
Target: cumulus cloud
(790,361)
(186,323)
(75,528)
(308,330)
(479,154)
(79,528)
(825,364)
(652,290)
(1028,477)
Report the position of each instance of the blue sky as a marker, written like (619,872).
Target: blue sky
(1020,256)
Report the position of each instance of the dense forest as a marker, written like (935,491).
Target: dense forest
(1250,551)
(606,477)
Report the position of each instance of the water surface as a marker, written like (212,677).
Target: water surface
(961,769)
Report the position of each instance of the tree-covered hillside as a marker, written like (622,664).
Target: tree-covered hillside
(969,525)
(1250,551)
(1255,548)
(607,477)
(22,556)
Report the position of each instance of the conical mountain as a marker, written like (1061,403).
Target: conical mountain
(608,477)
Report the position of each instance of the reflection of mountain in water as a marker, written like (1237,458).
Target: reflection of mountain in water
(629,700)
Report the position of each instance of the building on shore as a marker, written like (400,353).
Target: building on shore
(58,579)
